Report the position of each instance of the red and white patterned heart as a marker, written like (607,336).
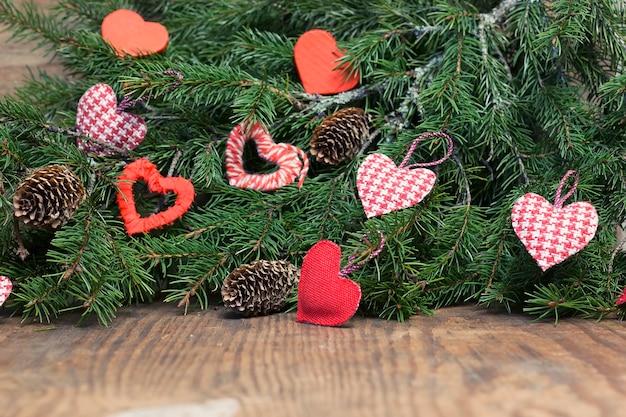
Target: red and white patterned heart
(99,118)
(552,234)
(383,187)
(5,288)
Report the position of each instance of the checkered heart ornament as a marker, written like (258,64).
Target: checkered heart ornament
(109,128)
(553,233)
(5,288)
(384,187)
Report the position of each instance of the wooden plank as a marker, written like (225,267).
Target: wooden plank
(18,57)
(464,361)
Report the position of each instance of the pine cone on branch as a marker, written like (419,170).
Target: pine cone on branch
(340,136)
(259,288)
(49,197)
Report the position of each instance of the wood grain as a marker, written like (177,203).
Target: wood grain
(463,362)
(18,57)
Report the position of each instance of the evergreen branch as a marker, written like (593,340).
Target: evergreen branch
(75,265)
(28,24)
(185,301)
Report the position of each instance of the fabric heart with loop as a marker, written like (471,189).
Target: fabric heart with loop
(384,187)
(326,296)
(107,128)
(292,162)
(553,233)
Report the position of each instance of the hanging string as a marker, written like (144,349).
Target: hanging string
(127,101)
(351,267)
(558,201)
(404,165)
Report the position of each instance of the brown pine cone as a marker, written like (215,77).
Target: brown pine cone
(49,197)
(259,288)
(340,136)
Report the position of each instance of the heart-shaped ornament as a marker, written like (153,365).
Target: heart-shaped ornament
(292,162)
(317,56)
(142,169)
(98,117)
(383,187)
(129,34)
(324,297)
(552,234)
(5,288)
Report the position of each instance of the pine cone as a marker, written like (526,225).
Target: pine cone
(259,288)
(49,197)
(340,136)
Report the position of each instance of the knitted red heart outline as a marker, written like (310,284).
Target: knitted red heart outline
(142,169)
(292,162)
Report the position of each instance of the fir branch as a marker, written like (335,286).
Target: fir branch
(186,299)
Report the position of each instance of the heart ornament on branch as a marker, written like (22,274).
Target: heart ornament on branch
(129,34)
(142,169)
(292,162)
(553,233)
(326,296)
(5,288)
(384,187)
(317,60)
(112,130)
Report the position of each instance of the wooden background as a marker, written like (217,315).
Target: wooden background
(153,361)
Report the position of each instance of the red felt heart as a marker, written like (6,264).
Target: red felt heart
(317,56)
(383,187)
(324,297)
(292,161)
(97,116)
(142,169)
(5,288)
(129,34)
(550,234)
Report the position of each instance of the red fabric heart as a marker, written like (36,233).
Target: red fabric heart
(324,297)
(383,187)
(142,169)
(551,234)
(97,116)
(5,288)
(316,55)
(286,156)
(129,34)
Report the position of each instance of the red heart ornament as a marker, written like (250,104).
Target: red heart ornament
(5,288)
(129,34)
(383,187)
(316,55)
(286,156)
(550,234)
(142,169)
(324,297)
(97,116)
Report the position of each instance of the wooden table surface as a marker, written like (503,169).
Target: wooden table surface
(153,361)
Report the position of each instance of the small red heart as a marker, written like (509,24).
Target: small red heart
(97,116)
(316,55)
(383,187)
(5,288)
(550,234)
(324,297)
(142,169)
(129,34)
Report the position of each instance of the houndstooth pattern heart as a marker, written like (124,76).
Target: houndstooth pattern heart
(383,187)
(5,288)
(551,234)
(98,117)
